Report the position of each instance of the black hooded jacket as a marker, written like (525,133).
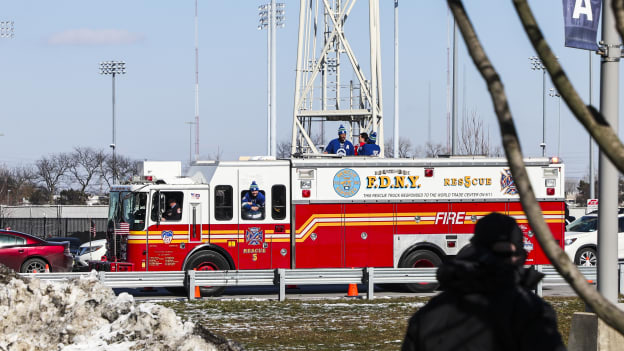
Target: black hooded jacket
(485,305)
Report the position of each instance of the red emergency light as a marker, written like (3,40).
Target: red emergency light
(428,172)
(305,193)
(550,191)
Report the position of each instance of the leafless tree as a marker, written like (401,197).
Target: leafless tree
(475,138)
(51,170)
(406,150)
(590,118)
(23,178)
(127,168)
(85,165)
(283,149)
(431,150)
(124,166)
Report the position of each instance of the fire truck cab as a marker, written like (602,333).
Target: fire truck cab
(317,213)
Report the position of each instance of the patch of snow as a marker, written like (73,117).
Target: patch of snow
(83,314)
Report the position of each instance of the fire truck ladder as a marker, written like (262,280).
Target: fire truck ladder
(361,108)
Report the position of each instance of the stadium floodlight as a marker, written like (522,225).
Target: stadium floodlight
(272,15)
(113,68)
(6,29)
(537,65)
(554,93)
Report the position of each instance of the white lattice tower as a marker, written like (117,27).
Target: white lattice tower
(323,54)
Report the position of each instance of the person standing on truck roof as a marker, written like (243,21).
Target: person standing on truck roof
(174,212)
(253,202)
(363,140)
(370,148)
(340,146)
(487,302)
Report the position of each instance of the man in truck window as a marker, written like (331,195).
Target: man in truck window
(253,203)
(174,212)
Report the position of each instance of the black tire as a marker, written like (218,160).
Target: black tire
(212,261)
(586,256)
(421,258)
(33,264)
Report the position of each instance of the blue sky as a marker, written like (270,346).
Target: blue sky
(53,98)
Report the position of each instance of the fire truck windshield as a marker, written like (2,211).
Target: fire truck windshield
(128,207)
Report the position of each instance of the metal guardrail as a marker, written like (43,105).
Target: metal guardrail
(282,277)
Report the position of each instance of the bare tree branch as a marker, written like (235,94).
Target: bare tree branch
(603,308)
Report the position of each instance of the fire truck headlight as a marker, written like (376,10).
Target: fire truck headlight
(306,184)
(551,183)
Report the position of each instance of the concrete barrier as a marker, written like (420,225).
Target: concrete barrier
(589,333)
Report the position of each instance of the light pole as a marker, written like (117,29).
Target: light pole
(190,140)
(272,15)
(396,78)
(555,93)
(6,29)
(113,68)
(536,64)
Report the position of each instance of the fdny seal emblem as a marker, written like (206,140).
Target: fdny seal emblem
(346,182)
(167,236)
(508,186)
(254,236)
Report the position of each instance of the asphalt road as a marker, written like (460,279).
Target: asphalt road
(311,292)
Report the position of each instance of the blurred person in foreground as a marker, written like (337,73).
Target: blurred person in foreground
(487,302)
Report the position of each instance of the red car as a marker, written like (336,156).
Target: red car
(25,253)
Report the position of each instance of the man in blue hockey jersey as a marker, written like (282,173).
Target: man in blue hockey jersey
(370,148)
(340,146)
(253,203)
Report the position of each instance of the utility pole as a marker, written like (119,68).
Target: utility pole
(396,78)
(608,206)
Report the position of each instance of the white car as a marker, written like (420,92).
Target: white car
(91,251)
(581,239)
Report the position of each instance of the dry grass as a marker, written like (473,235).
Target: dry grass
(335,324)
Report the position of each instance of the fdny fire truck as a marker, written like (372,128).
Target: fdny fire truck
(318,213)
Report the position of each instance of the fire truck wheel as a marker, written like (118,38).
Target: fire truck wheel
(420,259)
(209,261)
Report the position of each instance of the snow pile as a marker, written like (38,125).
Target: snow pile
(83,314)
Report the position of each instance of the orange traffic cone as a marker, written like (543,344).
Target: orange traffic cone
(197,292)
(47,269)
(353,291)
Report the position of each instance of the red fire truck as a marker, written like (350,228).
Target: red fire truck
(319,213)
